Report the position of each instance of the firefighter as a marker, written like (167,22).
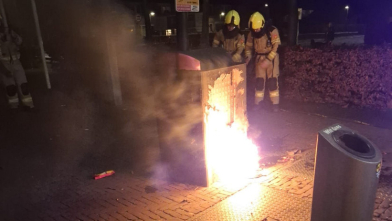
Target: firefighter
(330,33)
(261,48)
(231,38)
(13,74)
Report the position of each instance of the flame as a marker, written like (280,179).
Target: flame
(231,157)
(248,198)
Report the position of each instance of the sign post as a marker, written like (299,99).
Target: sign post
(138,18)
(182,7)
(187,5)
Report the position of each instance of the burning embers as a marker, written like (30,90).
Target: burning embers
(231,157)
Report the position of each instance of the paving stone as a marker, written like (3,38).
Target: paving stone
(176,202)
(117,216)
(185,213)
(94,216)
(176,214)
(151,215)
(140,215)
(192,209)
(163,215)
(59,218)
(129,216)
(105,216)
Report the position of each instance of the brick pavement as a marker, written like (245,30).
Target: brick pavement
(128,197)
(121,197)
(301,186)
(125,197)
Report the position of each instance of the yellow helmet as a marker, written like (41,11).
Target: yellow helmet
(256,21)
(232,17)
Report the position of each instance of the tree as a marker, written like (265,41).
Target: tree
(147,21)
(204,41)
(293,23)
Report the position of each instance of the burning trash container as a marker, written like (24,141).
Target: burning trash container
(347,171)
(212,83)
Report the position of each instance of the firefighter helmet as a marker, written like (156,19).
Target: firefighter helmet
(256,21)
(232,18)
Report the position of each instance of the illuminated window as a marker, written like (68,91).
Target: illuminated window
(168,32)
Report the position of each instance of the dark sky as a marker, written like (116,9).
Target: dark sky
(307,4)
(371,9)
(359,6)
(366,9)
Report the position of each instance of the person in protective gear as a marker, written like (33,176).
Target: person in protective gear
(231,38)
(261,47)
(329,34)
(13,74)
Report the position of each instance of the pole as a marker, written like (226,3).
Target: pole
(347,20)
(41,44)
(293,23)
(147,21)
(205,26)
(5,22)
(182,35)
(112,57)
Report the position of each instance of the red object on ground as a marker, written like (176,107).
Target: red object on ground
(104,174)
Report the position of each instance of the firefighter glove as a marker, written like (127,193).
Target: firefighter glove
(236,58)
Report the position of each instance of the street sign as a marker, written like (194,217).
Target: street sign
(138,18)
(187,6)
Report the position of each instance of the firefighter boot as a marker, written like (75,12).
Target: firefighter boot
(25,96)
(262,105)
(12,96)
(275,108)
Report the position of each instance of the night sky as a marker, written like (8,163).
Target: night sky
(370,9)
(359,6)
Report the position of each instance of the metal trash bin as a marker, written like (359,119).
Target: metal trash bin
(347,171)
(201,71)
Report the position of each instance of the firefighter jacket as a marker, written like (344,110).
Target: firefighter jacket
(234,46)
(266,45)
(9,48)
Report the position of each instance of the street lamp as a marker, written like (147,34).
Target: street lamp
(347,8)
(152,14)
(266,5)
(222,14)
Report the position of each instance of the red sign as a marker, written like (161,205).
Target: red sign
(187,6)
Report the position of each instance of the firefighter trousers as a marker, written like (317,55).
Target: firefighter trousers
(18,74)
(16,78)
(267,78)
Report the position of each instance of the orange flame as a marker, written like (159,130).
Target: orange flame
(231,157)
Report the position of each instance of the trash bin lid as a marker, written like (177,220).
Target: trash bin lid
(208,58)
(354,144)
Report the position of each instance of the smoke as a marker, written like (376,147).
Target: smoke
(80,131)
(149,79)
(152,93)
